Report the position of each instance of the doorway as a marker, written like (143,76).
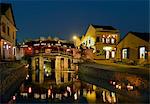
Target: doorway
(107,54)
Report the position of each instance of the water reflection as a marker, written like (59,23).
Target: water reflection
(63,85)
(77,92)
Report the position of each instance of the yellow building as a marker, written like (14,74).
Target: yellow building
(103,39)
(7,32)
(134,48)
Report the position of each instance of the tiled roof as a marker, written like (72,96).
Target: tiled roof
(144,36)
(104,27)
(4,7)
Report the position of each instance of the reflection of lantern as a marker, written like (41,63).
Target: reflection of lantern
(29,48)
(9,46)
(30,90)
(14,97)
(49,92)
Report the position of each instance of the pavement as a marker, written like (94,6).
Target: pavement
(107,65)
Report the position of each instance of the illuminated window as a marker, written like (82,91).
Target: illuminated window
(103,40)
(36,51)
(142,52)
(107,40)
(113,54)
(124,53)
(112,40)
(92,42)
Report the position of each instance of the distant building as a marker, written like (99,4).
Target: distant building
(134,47)
(103,39)
(7,32)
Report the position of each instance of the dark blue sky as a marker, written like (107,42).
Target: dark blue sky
(63,18)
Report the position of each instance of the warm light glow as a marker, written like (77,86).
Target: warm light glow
(29,48)
(129,87)
(124,53)
(113,54)
(107,48)
(69,89)
(114,83)
(91,96)
(75,96)
(74,37)
(36,96)
(30,90)
(49,92)
(7,47)
(94,87)
(14,97)
(65,94)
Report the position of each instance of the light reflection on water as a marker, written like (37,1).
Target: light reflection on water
(75,91)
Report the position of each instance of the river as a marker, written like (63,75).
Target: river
(77,90)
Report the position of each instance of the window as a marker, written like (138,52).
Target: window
(89,41)
(69,76)
(107,40)
(142,52)
(124,53)
(113,54)
(112,40)
(103,40)
(97,39)
(4,27)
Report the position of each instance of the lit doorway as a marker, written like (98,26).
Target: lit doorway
(142,52)
(112,54)
(107,54)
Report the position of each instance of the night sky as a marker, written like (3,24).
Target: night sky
(64,18)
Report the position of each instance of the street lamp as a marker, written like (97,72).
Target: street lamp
(74,37)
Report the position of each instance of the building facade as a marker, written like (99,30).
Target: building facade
(7,32)
(103,40)
(134,48)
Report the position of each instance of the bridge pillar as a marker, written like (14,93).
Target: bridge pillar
(33,68)
(58,69)
(65,69)
(41,67)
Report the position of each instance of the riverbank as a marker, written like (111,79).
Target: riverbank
(12,74)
